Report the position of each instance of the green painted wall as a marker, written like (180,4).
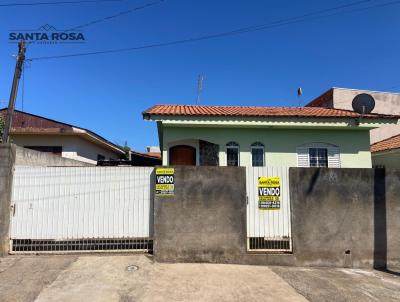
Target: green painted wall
(280,144)
(388,159)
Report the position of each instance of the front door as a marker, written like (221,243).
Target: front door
(182,155)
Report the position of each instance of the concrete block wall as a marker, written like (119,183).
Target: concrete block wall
(340,218)
(7,159)
(345,217)
(28,157)
(205,221)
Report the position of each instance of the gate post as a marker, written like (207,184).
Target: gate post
(7,161)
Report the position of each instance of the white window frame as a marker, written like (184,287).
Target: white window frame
(233,145)
(258,145)
(318,159)
(303,154)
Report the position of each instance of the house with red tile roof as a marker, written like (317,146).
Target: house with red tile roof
(385,103)
(264,136)
(386,153)
(46,135)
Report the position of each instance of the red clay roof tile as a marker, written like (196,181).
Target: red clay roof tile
(386,144)
(242,111)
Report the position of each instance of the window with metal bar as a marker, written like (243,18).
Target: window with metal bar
(257,154)
(232,154)
(318,157)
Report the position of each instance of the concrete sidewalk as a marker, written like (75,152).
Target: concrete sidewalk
(106,278)
(342,284)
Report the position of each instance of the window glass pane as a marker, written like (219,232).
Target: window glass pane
(232,156)
(257,155)
(323,157)
(318,157)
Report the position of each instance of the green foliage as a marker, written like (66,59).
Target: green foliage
(126,149)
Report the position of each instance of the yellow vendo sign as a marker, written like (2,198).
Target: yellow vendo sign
(165,171)
(165,181)
(269,193)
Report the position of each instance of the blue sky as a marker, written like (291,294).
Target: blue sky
(107,93)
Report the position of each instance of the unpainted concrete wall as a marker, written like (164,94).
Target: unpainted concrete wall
(28,157)
(7,158)
(385,103)
(345,217)
(340,218)
(205,221)
(388,159)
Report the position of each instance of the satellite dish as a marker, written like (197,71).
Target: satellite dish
(363,103)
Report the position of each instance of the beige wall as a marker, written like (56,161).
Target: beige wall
(280,144)
(73,147)
(390,159)
(385,103)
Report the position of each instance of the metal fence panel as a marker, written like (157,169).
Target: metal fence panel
(75,203)
(268,230)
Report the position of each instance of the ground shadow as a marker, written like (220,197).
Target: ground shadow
(388,271)
(380,224)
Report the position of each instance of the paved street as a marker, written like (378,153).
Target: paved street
(137,278)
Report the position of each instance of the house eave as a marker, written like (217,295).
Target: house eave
(69,132)
(386,152)
(276,122)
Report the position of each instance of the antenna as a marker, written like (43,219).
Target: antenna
(363,103)
(200,80)
(299,93)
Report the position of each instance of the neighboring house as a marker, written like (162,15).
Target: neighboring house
(385,103)
(264,136)
(47,135)
(386,153)
(153,151)
(146,159)
(137,159)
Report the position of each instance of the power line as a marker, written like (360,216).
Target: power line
(57,3)
(293,20)
(116,15)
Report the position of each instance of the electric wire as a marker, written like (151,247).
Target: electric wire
(116,15)
(58,3)
(293,20)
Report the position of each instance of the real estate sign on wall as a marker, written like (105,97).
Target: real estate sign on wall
(269,193)
(165,181)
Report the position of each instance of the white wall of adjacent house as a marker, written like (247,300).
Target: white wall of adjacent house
(73,147)
(385,103)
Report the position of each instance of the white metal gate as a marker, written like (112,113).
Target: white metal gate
(268,230)
(81,209)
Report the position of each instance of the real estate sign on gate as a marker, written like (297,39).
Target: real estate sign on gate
(269,193)
(165,181)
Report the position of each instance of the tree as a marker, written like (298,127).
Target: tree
(127,149)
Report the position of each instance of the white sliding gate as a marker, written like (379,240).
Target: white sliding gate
(81,209)
(268,230)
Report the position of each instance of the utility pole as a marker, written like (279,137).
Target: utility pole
(14,90)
